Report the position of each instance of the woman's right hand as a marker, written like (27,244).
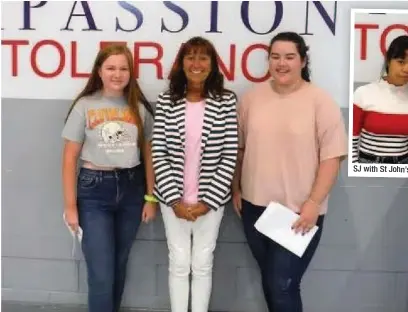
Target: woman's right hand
(237,202)
(71,217)
(181,210)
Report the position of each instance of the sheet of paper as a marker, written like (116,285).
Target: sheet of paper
(276,222)
(77,234)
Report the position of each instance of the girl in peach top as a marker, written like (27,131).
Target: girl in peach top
(292,139)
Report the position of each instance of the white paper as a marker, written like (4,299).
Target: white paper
(276,222)
(77,234)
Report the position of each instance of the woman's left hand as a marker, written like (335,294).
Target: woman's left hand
(149,212)
(309,214)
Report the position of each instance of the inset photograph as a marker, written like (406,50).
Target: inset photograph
(378,103)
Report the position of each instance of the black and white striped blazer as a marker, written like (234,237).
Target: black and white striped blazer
(219,149)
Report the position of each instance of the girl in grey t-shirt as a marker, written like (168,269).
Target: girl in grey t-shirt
(108,129)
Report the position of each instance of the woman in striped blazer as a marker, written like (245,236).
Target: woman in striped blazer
(194,150)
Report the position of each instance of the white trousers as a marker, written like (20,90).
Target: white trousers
(191,247)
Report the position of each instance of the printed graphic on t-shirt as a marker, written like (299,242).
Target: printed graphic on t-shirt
(115,126)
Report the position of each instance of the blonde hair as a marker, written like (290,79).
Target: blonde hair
(132,91)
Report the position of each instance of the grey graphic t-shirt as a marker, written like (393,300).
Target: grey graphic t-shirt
(106,127)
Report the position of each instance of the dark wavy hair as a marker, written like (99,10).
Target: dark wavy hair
(214,83)
(398,49)
(301,47)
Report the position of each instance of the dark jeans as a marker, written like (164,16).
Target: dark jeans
(110,207)
(374,159)
(281,270)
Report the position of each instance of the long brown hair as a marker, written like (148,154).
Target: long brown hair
(178,81)
(132,91)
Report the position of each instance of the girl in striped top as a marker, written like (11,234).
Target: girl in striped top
(380,112)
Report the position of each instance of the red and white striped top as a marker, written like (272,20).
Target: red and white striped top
(380,119)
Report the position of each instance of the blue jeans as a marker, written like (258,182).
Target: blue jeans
(110,206)
(281,270)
